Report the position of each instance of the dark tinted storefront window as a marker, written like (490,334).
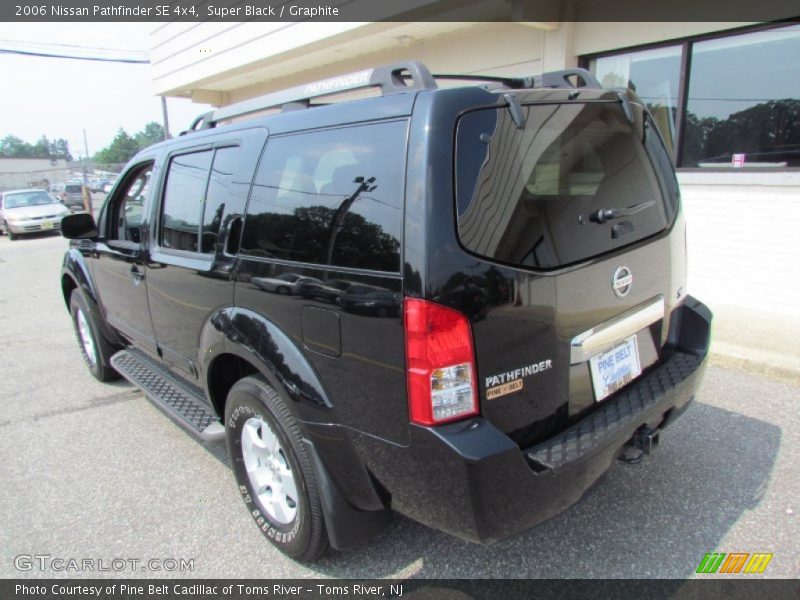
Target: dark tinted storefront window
(654,75)
(742,105)
(331,197)
(744,101)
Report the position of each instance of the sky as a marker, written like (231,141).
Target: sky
(60,98)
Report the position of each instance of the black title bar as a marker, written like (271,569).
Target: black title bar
(547,11)
(462,589)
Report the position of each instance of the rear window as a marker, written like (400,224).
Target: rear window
(533,196)
(73,189)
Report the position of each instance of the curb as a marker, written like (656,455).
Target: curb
(759,362)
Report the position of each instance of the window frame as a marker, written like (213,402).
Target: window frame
(686,45)
(106,219)
(157,246)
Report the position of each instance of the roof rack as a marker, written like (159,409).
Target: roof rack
(391,79)
(397,78)
(551,79)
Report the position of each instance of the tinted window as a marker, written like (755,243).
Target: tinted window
(224,188)
(128,209)
(330,197)
(531,196)
(183,200)
(744,101)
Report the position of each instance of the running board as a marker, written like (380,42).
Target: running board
(179,399)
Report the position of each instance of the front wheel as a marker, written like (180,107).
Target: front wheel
(95,349)
(273,470)
(12,237)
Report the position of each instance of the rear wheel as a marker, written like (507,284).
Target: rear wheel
(96,351)
(273,469)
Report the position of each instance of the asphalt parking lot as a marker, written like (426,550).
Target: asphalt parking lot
(95,471)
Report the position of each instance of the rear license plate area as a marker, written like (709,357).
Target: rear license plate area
(615,368)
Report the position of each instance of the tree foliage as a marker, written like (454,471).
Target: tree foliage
(769,131)
(151,134)
(120,150)
(13,147)
(124,146)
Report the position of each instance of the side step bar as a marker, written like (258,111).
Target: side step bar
(179,399)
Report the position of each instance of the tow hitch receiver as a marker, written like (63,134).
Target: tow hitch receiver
(646,439)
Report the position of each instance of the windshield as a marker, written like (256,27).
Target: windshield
(574,181)
(23,199)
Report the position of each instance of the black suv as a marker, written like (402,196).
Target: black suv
(494,307)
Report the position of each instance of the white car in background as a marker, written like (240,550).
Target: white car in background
(29,211)
(285,284)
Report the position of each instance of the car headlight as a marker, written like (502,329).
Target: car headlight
(14,218)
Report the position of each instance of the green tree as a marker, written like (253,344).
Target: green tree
(151,134)
(120,150)
(41,149)
(13,147)
(59,148)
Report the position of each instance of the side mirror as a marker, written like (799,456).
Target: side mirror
(80,226)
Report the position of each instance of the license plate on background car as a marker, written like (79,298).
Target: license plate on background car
(615,368)
(47,225)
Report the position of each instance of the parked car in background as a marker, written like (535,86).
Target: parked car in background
(29,211)
(285,284)
(107,186)
(98,185)
(57,189)
(371,300)
(73,196)
(327,291)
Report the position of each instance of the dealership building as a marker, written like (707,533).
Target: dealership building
(725,95)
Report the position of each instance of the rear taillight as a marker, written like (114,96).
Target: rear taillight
(441,363)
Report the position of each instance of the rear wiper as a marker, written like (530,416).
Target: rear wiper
(609,214)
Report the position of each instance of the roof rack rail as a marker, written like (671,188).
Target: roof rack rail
(391,79)
(552,79)
(560,79)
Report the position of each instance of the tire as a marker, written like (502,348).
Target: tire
(283,290)
(96,351)
(12,237)
(266,447)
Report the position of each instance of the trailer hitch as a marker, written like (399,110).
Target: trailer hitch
(644,441)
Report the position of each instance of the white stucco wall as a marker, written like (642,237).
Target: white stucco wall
(743,233)
(594,37)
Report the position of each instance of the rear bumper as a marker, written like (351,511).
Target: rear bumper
(473,481)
